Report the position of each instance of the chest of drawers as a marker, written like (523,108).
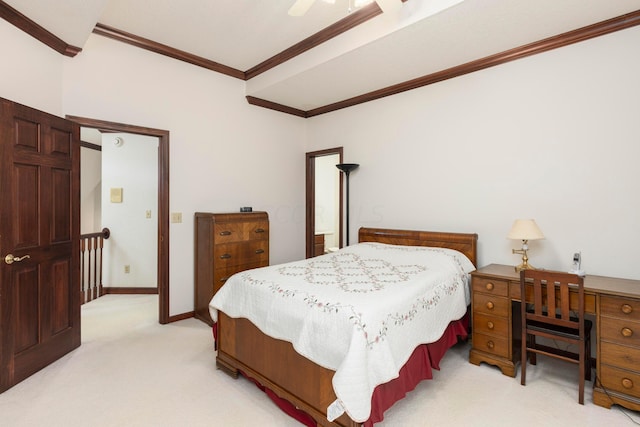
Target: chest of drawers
(618,353)
(225,244)
(491,321)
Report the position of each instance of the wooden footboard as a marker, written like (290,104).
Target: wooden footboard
(277,366)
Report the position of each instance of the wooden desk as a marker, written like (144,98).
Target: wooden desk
(614,302)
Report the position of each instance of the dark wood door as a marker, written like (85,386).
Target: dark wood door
(39,240)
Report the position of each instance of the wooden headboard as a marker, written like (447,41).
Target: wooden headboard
(462,242)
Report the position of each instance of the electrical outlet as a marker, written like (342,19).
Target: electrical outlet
(127,269)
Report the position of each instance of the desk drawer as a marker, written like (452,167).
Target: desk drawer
(620,380)
(620,355)
(491,344)
(621,331)
(491,286)
(491,304)
(622,308)
(492,325)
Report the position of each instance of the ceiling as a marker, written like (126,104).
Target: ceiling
(397,42)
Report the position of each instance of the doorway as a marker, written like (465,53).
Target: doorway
(323,188)
(162,199)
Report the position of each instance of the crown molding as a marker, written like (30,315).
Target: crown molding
(19,20)
(581,34)
(352,20)
(162,49)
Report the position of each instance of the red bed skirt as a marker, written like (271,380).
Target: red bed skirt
(420,365)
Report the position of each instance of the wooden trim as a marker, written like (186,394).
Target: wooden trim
(345,24)
(162,49)
(182,316)
(310,202)
(163,199)
(275,106)
(90,145)
(565,39)
(19,20)
(128,291)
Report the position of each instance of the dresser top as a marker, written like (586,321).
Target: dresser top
(592,283)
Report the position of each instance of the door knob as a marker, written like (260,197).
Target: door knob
(10,259)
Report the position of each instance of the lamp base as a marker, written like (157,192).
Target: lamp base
(524,266)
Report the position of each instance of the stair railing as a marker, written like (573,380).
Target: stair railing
(91,247)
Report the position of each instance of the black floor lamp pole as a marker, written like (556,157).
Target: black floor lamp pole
(347,168)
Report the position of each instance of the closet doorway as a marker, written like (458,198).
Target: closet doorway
(323,201)
(162,200)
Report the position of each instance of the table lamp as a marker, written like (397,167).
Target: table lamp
(525,230)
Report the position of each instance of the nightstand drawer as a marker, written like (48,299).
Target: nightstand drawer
(491,304)
(491,286)
(621,331)
(620,356)
(622,308)
(490,324)
(620,380)
(490,344)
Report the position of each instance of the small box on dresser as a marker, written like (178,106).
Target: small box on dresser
(225,244)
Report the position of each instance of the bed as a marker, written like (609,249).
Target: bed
(350,369)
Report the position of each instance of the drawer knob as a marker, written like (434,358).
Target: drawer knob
(489,286)
(490,345)
(626,332)
(259,230)
(627,383)
(225,233)
(626,309)
(259,251)
(225,256)
(490,325)
(490,305)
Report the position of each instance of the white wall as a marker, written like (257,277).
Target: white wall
(224,153)
(31,73)
(131,165)
(327,199)
(555,137)
(90,190)
(558,129)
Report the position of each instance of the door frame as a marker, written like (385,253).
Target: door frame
(163,200)
(310,203)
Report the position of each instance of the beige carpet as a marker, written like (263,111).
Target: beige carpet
(131,371)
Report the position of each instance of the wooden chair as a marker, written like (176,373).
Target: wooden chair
(547,314)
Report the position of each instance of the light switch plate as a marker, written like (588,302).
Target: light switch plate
(176,217)
(116,195)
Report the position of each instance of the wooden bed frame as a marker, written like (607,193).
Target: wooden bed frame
(278,367)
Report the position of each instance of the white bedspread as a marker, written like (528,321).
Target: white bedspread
(360,311)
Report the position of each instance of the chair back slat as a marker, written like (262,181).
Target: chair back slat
(550,288)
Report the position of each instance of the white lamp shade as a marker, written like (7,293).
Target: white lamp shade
(525,229)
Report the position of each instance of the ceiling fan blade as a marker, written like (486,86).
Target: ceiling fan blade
(300,7)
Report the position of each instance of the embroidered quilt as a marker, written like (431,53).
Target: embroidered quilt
(360,311)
